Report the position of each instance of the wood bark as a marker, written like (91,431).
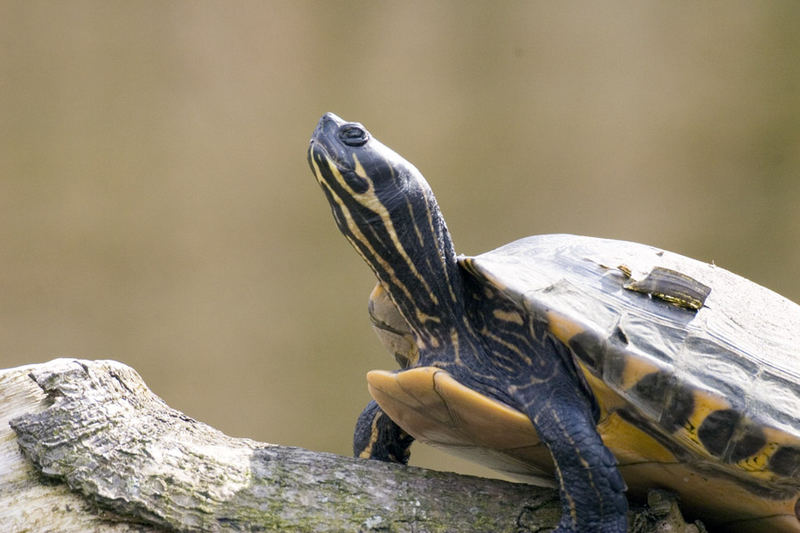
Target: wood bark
(86,446)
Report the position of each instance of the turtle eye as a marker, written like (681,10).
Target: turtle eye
(353,135)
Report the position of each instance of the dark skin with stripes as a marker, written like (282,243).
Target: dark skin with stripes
(386,210)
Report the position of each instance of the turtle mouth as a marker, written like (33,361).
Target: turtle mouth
(324,160)
(316,148)
(318,159)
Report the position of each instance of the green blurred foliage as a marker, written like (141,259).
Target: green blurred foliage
(156,206)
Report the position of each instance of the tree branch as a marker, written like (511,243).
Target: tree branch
(101,452)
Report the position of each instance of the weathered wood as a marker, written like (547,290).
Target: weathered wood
(93,449)
(28,501)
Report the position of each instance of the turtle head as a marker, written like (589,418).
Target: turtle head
(365,181)
(385,208)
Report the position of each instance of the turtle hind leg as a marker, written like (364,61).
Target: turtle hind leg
(378,437)
(591,487)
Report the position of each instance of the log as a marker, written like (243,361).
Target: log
(86,446)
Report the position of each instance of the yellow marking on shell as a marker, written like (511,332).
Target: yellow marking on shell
(369,200)
(508,316)
(629,443)
(562,327)
(608,399)
(704,403)
(635,369)
(758,463)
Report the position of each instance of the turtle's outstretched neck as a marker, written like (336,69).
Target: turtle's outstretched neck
(387,211)
(424,280)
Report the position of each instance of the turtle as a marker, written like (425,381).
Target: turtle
(603,367)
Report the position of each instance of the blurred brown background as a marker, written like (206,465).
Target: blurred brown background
(156,206)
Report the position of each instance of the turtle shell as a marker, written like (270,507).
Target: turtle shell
(696,371)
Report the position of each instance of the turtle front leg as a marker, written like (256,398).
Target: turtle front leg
(378,437)
(591,487)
